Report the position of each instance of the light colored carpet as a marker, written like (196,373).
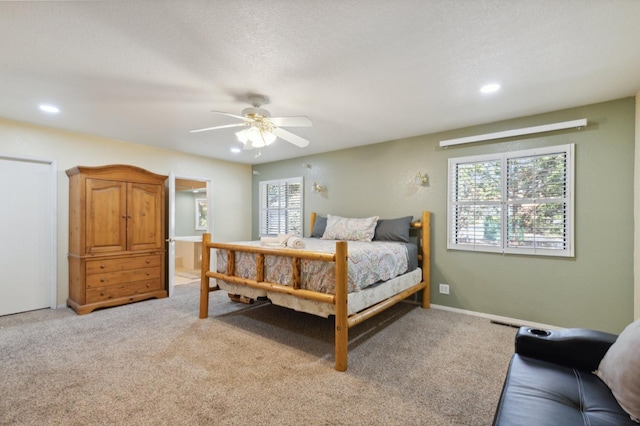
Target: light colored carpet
(156,363)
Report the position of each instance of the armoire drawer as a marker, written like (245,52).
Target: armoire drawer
(98,294)
(123,263)
(119,277)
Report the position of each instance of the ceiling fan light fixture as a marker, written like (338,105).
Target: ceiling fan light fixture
(255,137)
(269,138)
(260,129)
(243,136)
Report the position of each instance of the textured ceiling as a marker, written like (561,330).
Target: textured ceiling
(365,71)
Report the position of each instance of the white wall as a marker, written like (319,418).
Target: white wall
(231,181)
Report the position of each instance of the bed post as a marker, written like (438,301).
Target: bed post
(342,324)
(312,222)
(426,258)
(204,280)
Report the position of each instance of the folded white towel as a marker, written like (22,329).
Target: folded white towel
(282,238)
(270,241)
(279,241)
(295,242)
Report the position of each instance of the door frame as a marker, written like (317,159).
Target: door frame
(171,235)
(53,232)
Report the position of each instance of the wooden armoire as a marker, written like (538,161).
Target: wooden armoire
(116,236)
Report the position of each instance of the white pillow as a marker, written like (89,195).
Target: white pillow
(342,228)
(620,369)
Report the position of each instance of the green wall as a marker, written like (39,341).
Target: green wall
(592,290)
(186,214)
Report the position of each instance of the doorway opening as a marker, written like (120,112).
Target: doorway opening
(191,221)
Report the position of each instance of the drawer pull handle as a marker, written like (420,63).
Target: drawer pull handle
(148,273)
(148,261)
(101,280)
(101,266)
(102,293)
(148,285)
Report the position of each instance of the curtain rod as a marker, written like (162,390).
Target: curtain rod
(517,132)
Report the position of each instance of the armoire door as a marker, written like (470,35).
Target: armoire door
(106,216)
(144,226)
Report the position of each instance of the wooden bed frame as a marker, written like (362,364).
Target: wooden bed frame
(343,321)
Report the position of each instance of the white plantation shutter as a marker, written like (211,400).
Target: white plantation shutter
(280,204)
(477,194)
(537,200)
(517,202)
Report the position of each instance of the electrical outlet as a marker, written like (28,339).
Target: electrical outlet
(444,288)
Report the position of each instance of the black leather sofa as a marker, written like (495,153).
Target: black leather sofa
(550,381)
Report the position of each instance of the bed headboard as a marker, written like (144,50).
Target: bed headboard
(424,245)
(426,216)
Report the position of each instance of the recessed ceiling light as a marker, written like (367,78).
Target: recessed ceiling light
(490,88)
(236,150)
(51,109)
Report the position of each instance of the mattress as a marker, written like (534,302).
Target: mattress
(376,271)
(356,301)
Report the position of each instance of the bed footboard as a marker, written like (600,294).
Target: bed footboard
(339,299)
(343,321)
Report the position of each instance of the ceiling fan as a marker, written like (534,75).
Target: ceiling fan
(260,128)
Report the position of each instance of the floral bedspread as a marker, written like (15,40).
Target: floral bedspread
(369,263)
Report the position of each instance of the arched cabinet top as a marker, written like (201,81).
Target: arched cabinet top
(118,172)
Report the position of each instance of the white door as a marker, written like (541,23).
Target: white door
(186,219)
(27,234)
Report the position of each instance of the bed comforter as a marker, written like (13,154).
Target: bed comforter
(369,263)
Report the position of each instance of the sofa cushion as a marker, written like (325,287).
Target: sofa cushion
(545,394)
(620,369)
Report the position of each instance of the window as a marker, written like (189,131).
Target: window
(517,202)
(280,206)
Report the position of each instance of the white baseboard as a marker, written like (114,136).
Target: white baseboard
(497,318)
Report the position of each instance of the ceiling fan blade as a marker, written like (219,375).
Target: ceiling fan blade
(230,115)
(300,121)
(217,127)
(290,137)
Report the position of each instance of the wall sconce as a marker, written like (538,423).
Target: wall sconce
(318,188)
(421,180)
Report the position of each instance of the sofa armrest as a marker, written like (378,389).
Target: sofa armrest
(578,348)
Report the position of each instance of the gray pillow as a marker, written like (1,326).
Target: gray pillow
(393,229)
(318,227)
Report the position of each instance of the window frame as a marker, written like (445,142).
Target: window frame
(263,208)
(503,158)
